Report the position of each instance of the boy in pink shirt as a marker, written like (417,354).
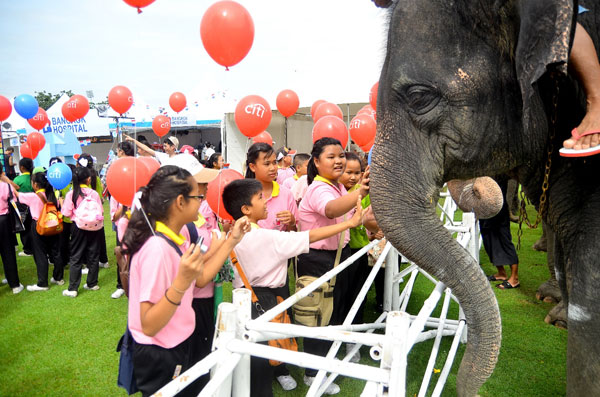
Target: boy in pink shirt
(284,162)
(300,165)
(263,254)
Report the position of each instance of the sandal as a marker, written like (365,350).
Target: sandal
(564,152)
(493,278)
(506,285)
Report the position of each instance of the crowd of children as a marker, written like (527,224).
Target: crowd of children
(291,208)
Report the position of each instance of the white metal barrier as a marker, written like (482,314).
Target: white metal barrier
(237,335)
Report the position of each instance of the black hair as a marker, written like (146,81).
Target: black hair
(54,160)
(351,156)
(253,153)
(214,158)
(143,139)
(42,181)
(300,158)
(90,166)
(127,148)
(167,183)
(27,164)
(318,147)
(80,175)
(238,193)
(10,149)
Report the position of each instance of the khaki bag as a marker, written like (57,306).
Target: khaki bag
(316,308)
(50,221)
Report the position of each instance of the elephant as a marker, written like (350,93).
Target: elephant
(472,89)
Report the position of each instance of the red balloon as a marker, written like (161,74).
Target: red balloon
(214,192)
(5,108)
(332,127)
(139,4)
(373,95)
(40,120)
(177,101)
(120,99)
(36,141)
(368,109)
(78,106)
(368,146)
(252,115)
(227,32)
(67,113)
(26,151)
(314,107)
(287,103)
(76,156)
(151,163)
(363,129)
(328,109)
(161,125)
(264,137)
(124,178)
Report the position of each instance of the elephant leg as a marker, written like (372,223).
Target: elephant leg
(542,243)
(558,314)
(512,199)
(549,291)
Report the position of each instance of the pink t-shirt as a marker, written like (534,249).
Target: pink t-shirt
(4,197)
(68,208)
(122,224)
(299,188)
(281,200)
(209,289)
(209,216)
(283,174)
(264,254)
(312,212)
(34,202)
(153,269)
(114,206)
(290,182)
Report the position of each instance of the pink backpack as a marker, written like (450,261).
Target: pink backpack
(89,215)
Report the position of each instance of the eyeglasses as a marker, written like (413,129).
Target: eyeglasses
(200,197)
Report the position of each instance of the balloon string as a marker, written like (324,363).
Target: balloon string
(139,10)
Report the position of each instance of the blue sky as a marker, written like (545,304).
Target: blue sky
(322,49)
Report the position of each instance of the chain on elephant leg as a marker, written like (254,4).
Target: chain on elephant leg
(549,291)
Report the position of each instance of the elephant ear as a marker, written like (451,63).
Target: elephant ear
(545,34)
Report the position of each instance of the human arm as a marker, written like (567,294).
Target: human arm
(288,219)
(155,316)
(220,250)
(140,145)
(331,230)
(6,179)
(339,206)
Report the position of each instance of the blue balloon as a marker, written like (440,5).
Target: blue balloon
(59,175)
(370,153)
(26,105)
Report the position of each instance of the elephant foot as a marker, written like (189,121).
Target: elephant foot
(557,316)
(549,292)
(541,245)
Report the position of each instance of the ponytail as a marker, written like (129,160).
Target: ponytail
(253,153)
(90,166)
(318,148)
(42,181)
(80,174)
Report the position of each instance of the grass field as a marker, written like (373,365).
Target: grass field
(56,346)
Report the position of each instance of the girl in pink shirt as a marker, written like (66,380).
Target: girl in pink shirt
(43,246)
(84,244)
(7,247)
(326,202)
(164,269)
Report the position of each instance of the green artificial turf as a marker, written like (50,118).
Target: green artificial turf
(52,345)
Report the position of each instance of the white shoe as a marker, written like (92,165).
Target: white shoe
(70,294)
(118,293)
(22,253)
(4,281)
(331,389)
(287,382)
(18,289)
(85,270)
(35,287)
(103,265)
(94,288)
(53,281)
(356,357)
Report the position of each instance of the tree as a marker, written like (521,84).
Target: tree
(46,99)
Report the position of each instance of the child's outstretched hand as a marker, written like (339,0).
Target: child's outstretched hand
(364,183)
(241,227)
(357,218)
(216,241)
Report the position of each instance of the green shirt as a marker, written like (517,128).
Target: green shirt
(24,182)
(99,188)
(63,194)
(358,235)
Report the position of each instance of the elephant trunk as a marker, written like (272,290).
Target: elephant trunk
(404,206)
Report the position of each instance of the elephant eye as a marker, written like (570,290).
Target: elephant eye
(421,98)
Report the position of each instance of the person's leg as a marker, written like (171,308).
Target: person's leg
(54,252)
(40,256)
(26,234)
(204,331)
(77,247)
(102,255)
(63,242)
(92,254)
(7,253)
(584,62)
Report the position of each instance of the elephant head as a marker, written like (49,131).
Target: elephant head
(457,100)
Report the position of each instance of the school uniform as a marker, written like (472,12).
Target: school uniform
(7,248)
(281,200)
(321,257)
(64,238)
(157,359)
(283,174)
(24,182)
(121,224)
(299,188)
(102,254)
(263,255)
(290,182)
(43,246)
(84,243)
(209,216)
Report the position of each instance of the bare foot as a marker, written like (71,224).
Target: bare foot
(591,122)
